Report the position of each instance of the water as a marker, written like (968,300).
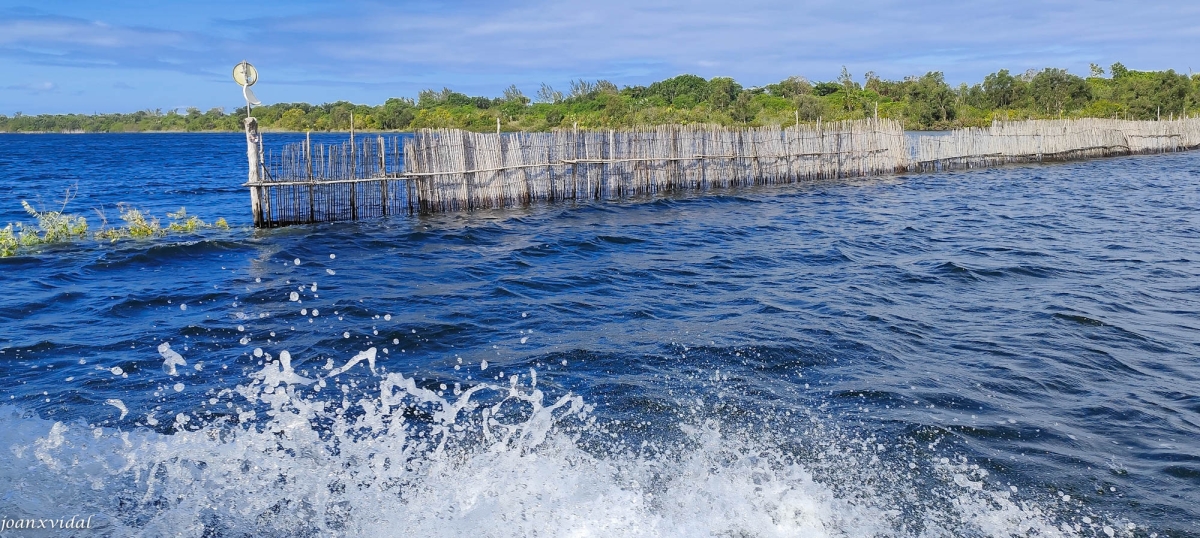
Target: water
(990,353)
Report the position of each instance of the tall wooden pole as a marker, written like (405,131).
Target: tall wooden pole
(312,204)
(254,161)
(383,201)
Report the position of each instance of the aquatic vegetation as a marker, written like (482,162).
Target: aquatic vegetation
(52,227)
(55,226)
(140,225)
(182,222)
(59,227)
(8,241)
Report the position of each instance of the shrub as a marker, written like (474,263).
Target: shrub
(8,241)
(138,225)
(55,226)
(181,222)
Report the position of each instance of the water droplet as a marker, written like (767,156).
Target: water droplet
(182,306)
(296,261)
(295,296)
(178,387)
(483,365)
(116,370)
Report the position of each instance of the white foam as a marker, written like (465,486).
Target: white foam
(171,359)
(119,405)
(466,465)
(368,355)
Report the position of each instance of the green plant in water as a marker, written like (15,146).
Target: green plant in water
(9,241)
(52,227)
(139,225)
(181,222)
(55,226)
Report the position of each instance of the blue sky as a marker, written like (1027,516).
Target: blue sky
(120,56)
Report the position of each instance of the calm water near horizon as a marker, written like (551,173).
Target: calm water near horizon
(1007,352)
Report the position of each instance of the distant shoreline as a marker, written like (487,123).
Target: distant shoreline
(919,103)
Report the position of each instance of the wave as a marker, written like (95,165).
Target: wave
(287,455)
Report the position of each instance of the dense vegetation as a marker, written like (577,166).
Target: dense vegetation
(925,102)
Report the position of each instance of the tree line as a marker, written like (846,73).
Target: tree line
(919,102)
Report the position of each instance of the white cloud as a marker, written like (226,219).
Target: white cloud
(35,88)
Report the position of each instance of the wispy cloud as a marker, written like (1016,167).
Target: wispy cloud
(34,88)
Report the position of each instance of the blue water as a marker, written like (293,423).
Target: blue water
(1002,352)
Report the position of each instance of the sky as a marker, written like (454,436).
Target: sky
(73,56)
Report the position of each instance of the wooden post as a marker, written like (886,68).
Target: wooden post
(353,185)
(468,163)
(382,174)
(353,156)
(312,204)
(254,162)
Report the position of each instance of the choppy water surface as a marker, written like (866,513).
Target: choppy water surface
(992,353)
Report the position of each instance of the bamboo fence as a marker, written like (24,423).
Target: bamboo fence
(456,170)
(451,170)
(307,183)
(1052,140)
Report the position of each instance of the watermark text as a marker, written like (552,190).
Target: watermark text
(75,522)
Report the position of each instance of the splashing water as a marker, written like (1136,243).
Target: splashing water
(507,460)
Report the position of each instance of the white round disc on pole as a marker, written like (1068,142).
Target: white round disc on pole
(245,74)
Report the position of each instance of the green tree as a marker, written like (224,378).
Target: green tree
(788,88)
(1056,91)
(931,100)
(396,113)
(1000,89)
(722,91)
(293,120)
(1146,94)
(681,90)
